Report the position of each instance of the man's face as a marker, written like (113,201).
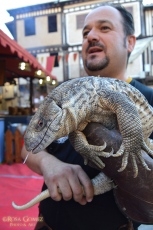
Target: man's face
(104,48)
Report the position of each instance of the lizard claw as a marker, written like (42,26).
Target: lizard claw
(134,162)
(120,151)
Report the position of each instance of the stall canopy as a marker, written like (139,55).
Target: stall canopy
(11,57)
(140,47)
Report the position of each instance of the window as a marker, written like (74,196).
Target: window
(152,57)
(80,21)
(52,23)
(56,63)
(29,26)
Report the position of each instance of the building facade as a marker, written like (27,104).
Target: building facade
(52,32)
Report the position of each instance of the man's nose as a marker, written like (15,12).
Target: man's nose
(93,35)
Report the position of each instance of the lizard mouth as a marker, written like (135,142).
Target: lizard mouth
(36,147)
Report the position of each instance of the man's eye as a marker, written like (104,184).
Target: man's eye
(85,33)
(105,28)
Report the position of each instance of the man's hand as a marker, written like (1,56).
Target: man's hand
(66,181)
(63,180)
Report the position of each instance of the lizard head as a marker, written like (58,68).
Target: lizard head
(43,126)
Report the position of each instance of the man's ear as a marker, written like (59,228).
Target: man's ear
(131,43)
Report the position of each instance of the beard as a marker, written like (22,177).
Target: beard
(94,65)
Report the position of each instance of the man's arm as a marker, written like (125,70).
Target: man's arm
(58,175)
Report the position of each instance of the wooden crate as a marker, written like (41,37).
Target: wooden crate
(13,146)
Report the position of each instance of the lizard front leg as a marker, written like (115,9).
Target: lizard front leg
(89,152)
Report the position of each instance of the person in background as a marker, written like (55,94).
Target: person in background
(108,40)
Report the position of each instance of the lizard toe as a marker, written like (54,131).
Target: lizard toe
(120,152)
(147,149)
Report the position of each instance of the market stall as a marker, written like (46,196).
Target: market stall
(16,100)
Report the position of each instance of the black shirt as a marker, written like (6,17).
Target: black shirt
(146,91)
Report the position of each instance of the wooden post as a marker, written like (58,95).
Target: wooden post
(2,72)
(9,156)
(18,139)
(31,95)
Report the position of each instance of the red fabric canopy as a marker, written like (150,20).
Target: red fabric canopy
(13,54)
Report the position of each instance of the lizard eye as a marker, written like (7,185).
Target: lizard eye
(40,125)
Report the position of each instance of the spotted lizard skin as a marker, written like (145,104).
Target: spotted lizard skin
(71,106)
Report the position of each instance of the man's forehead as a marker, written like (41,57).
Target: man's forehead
(103,13)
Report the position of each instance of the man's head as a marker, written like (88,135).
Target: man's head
(108,40)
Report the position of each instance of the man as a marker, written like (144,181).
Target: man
(108,40)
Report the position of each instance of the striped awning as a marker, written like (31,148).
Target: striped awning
(141,45)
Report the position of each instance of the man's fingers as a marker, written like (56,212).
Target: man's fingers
(87,186)
(81,186)
(55,192)
(76,185)
(67,181)
(65,189)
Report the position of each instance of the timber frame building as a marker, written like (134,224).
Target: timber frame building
(52,32)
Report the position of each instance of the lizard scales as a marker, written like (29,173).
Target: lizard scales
(71,106)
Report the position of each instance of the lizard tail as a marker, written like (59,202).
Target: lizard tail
(43,195)
(101,184)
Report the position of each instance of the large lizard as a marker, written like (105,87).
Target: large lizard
(71,106)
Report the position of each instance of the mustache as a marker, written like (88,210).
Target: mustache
(93,44)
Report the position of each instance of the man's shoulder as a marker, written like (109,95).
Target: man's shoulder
(144,89)
(140,86)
